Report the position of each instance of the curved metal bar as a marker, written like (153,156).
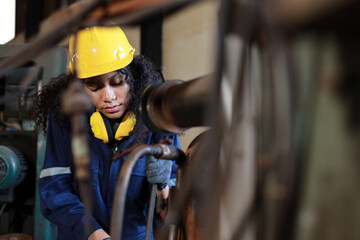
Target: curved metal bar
(159,151)
(117,216)
(151,212)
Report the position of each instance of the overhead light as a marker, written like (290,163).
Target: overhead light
(7,20)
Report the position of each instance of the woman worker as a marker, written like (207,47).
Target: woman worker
(114,80)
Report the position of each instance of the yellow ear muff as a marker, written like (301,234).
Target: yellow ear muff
(98,127)
(126,126)
(102,130)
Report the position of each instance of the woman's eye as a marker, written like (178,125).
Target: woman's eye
(117,82)
(92,87)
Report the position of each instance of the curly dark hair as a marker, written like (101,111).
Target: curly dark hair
(141,72)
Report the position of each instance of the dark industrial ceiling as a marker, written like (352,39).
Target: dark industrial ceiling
(30,13)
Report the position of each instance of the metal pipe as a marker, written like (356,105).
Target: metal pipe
(133,12)
(86,14)
(151,212)
(159,151)
(175,105)
(44,42)
(76,103)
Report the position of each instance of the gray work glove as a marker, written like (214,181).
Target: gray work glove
(158,171)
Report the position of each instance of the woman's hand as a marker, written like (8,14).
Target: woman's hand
(164,193)
(158,171)
(99,234)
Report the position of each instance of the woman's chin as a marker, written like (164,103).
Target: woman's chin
(114,115)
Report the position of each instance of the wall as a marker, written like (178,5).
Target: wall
(189,36)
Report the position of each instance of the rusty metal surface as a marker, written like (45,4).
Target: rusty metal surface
(292,14)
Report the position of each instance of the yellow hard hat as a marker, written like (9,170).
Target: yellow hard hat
(99,50)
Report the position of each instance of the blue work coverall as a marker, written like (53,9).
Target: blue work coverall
(59,193)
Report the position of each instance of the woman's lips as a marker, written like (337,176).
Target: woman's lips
(112,109)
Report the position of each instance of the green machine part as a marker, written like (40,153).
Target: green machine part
(43,229)
(52,65)
(11,167)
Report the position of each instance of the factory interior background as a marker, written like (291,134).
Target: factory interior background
(281,83)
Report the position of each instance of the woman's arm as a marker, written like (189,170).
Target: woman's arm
(59,200)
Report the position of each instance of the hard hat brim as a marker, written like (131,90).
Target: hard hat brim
(103,68)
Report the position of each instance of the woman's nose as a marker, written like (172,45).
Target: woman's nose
(109,94)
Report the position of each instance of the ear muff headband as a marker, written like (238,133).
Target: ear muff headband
(102,130)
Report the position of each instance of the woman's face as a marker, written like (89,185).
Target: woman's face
(109,93)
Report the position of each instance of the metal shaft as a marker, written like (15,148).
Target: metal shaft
(174,106)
